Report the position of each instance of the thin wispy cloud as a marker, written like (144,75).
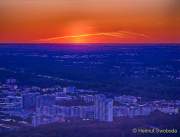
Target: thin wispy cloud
(117,34)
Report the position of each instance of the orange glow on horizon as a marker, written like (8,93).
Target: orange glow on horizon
(90,21)
(90,38)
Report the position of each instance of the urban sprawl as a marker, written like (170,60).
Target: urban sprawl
(34,106)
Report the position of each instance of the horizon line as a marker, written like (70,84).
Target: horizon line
(93,43)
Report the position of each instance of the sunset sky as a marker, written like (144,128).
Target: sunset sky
(89,21)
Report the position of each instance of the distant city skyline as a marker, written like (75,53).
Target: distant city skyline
(90,21)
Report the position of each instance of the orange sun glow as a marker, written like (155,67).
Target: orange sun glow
(90,21)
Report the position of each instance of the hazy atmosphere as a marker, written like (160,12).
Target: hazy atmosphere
(89,21)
